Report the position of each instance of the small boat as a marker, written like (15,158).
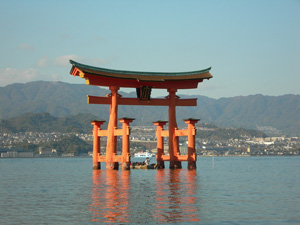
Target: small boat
(145,167)
(143,154)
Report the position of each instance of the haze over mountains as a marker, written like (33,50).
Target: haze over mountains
(275,115)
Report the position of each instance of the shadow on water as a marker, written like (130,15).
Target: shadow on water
(148,196)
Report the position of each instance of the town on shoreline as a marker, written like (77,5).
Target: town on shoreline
(55,144)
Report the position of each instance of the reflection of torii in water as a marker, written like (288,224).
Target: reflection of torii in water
(144,82)
(171,196)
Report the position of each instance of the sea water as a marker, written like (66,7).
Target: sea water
(222,190)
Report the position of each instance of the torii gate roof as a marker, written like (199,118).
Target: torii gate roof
(134,79)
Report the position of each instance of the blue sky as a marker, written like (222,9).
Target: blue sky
(252,46)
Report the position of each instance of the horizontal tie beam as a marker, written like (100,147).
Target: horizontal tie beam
(137,101)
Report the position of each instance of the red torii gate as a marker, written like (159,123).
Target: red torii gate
(144,82)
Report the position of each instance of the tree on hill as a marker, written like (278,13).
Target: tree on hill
(71,144)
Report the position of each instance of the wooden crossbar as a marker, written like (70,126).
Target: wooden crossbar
(137,101)
(179,157)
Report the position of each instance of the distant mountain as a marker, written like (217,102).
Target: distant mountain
(44,122)
(57,98)
(272,114)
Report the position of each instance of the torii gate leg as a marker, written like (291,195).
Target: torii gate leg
(160,144)
(96,144)
(125,163)
(191,143)
(111,148)
(173,140)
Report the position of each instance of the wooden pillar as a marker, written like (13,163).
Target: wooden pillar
(191,143)
(173,140)
(111,148)
(160,143)
(96,143)
(125,164)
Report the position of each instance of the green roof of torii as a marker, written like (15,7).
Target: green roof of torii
(203,74)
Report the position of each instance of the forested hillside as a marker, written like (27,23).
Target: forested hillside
(276,114)
(46,123)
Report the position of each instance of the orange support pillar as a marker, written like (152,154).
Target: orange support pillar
(160,143)
(173,139)
(191,143)
(125,143)
(111,149)
(96,143)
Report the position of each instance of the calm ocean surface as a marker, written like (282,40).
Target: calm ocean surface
(236,190)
